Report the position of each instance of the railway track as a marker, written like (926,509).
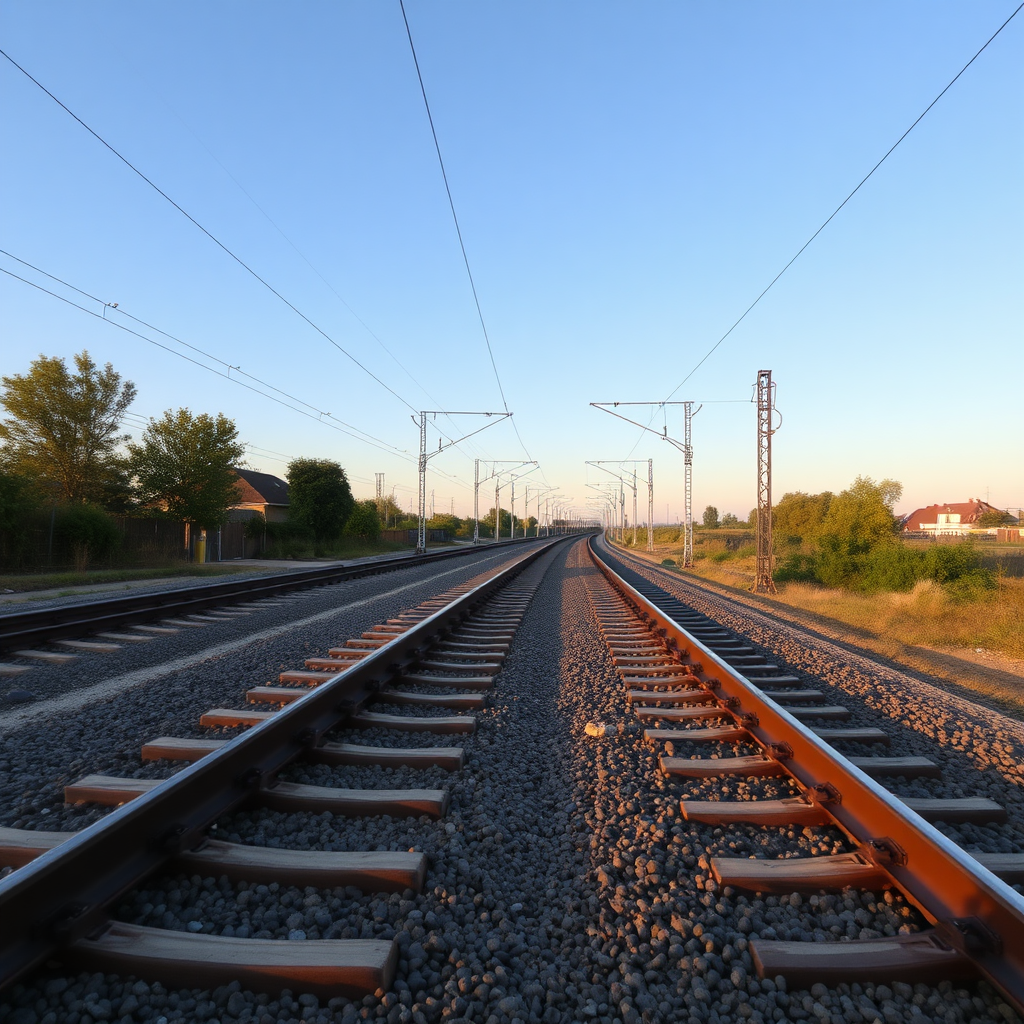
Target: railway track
(21,631)
(440,655)
(699,686)
(649,822)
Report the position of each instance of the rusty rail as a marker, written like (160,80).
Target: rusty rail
(971,909)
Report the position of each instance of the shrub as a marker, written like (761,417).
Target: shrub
(891,566)
(670,562)
(256,527)
(364,522)
(946,563)
(971,586)
(19,514)
(797,568)
(87,531)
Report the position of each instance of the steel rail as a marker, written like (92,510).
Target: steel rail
(23,629)
(971,909)
(63,895)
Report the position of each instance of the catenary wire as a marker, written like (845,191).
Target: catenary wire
(206,232)
(194,348)
(277,227)
(458,228)
(836,211)
(330,421)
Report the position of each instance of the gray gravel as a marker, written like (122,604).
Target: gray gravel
(563,885)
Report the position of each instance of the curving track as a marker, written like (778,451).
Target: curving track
(569,872)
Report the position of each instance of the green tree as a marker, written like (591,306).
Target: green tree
(506,522)
(444,521)
(995,517)
(710,517)
(184,466)
(730,520)
(319,497)
(858,520)
(63,427)
(800,517)
(364,522)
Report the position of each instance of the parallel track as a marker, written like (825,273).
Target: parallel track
(977,919)
(58,903)
(39,626)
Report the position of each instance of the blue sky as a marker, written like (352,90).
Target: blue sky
(628,178)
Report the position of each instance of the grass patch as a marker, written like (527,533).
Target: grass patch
(52,580)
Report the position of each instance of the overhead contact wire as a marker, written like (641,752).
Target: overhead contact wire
(455,218)
(213,238)
(860,184)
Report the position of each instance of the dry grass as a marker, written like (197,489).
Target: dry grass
(926,629)
(926,616)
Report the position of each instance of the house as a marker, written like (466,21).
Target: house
(260,492)
(948,520)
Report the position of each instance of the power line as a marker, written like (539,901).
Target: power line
(316,414)
(277,227)
(458,228)
(707,355)
(213,238)
(860,184)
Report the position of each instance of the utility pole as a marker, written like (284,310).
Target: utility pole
(421,533)
(685,446)
(380,495)
(763,582)
(650,504)
(496,475)
(631,479)
(688,484)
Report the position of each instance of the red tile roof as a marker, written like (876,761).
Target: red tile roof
(970,512)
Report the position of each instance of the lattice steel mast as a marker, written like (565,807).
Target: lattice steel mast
(763,582)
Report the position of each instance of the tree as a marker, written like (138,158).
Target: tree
(858,520)
(711,517)
(730,520)
(995,517)
(444,521)
(63,426)
(799,516)
(184,466)
(319,497)
(506,521)
(861,516)
(364,522)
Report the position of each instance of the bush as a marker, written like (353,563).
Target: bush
(256,527)
(947,563)
(19,514)
(797,568)
(87,531)
(670,562)
(891,566)
(364,522)
(971,585)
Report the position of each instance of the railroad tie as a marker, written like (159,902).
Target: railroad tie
(326,967)
(419,723)
(800,874)
(109,791)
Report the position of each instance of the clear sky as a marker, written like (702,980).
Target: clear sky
(628,178)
